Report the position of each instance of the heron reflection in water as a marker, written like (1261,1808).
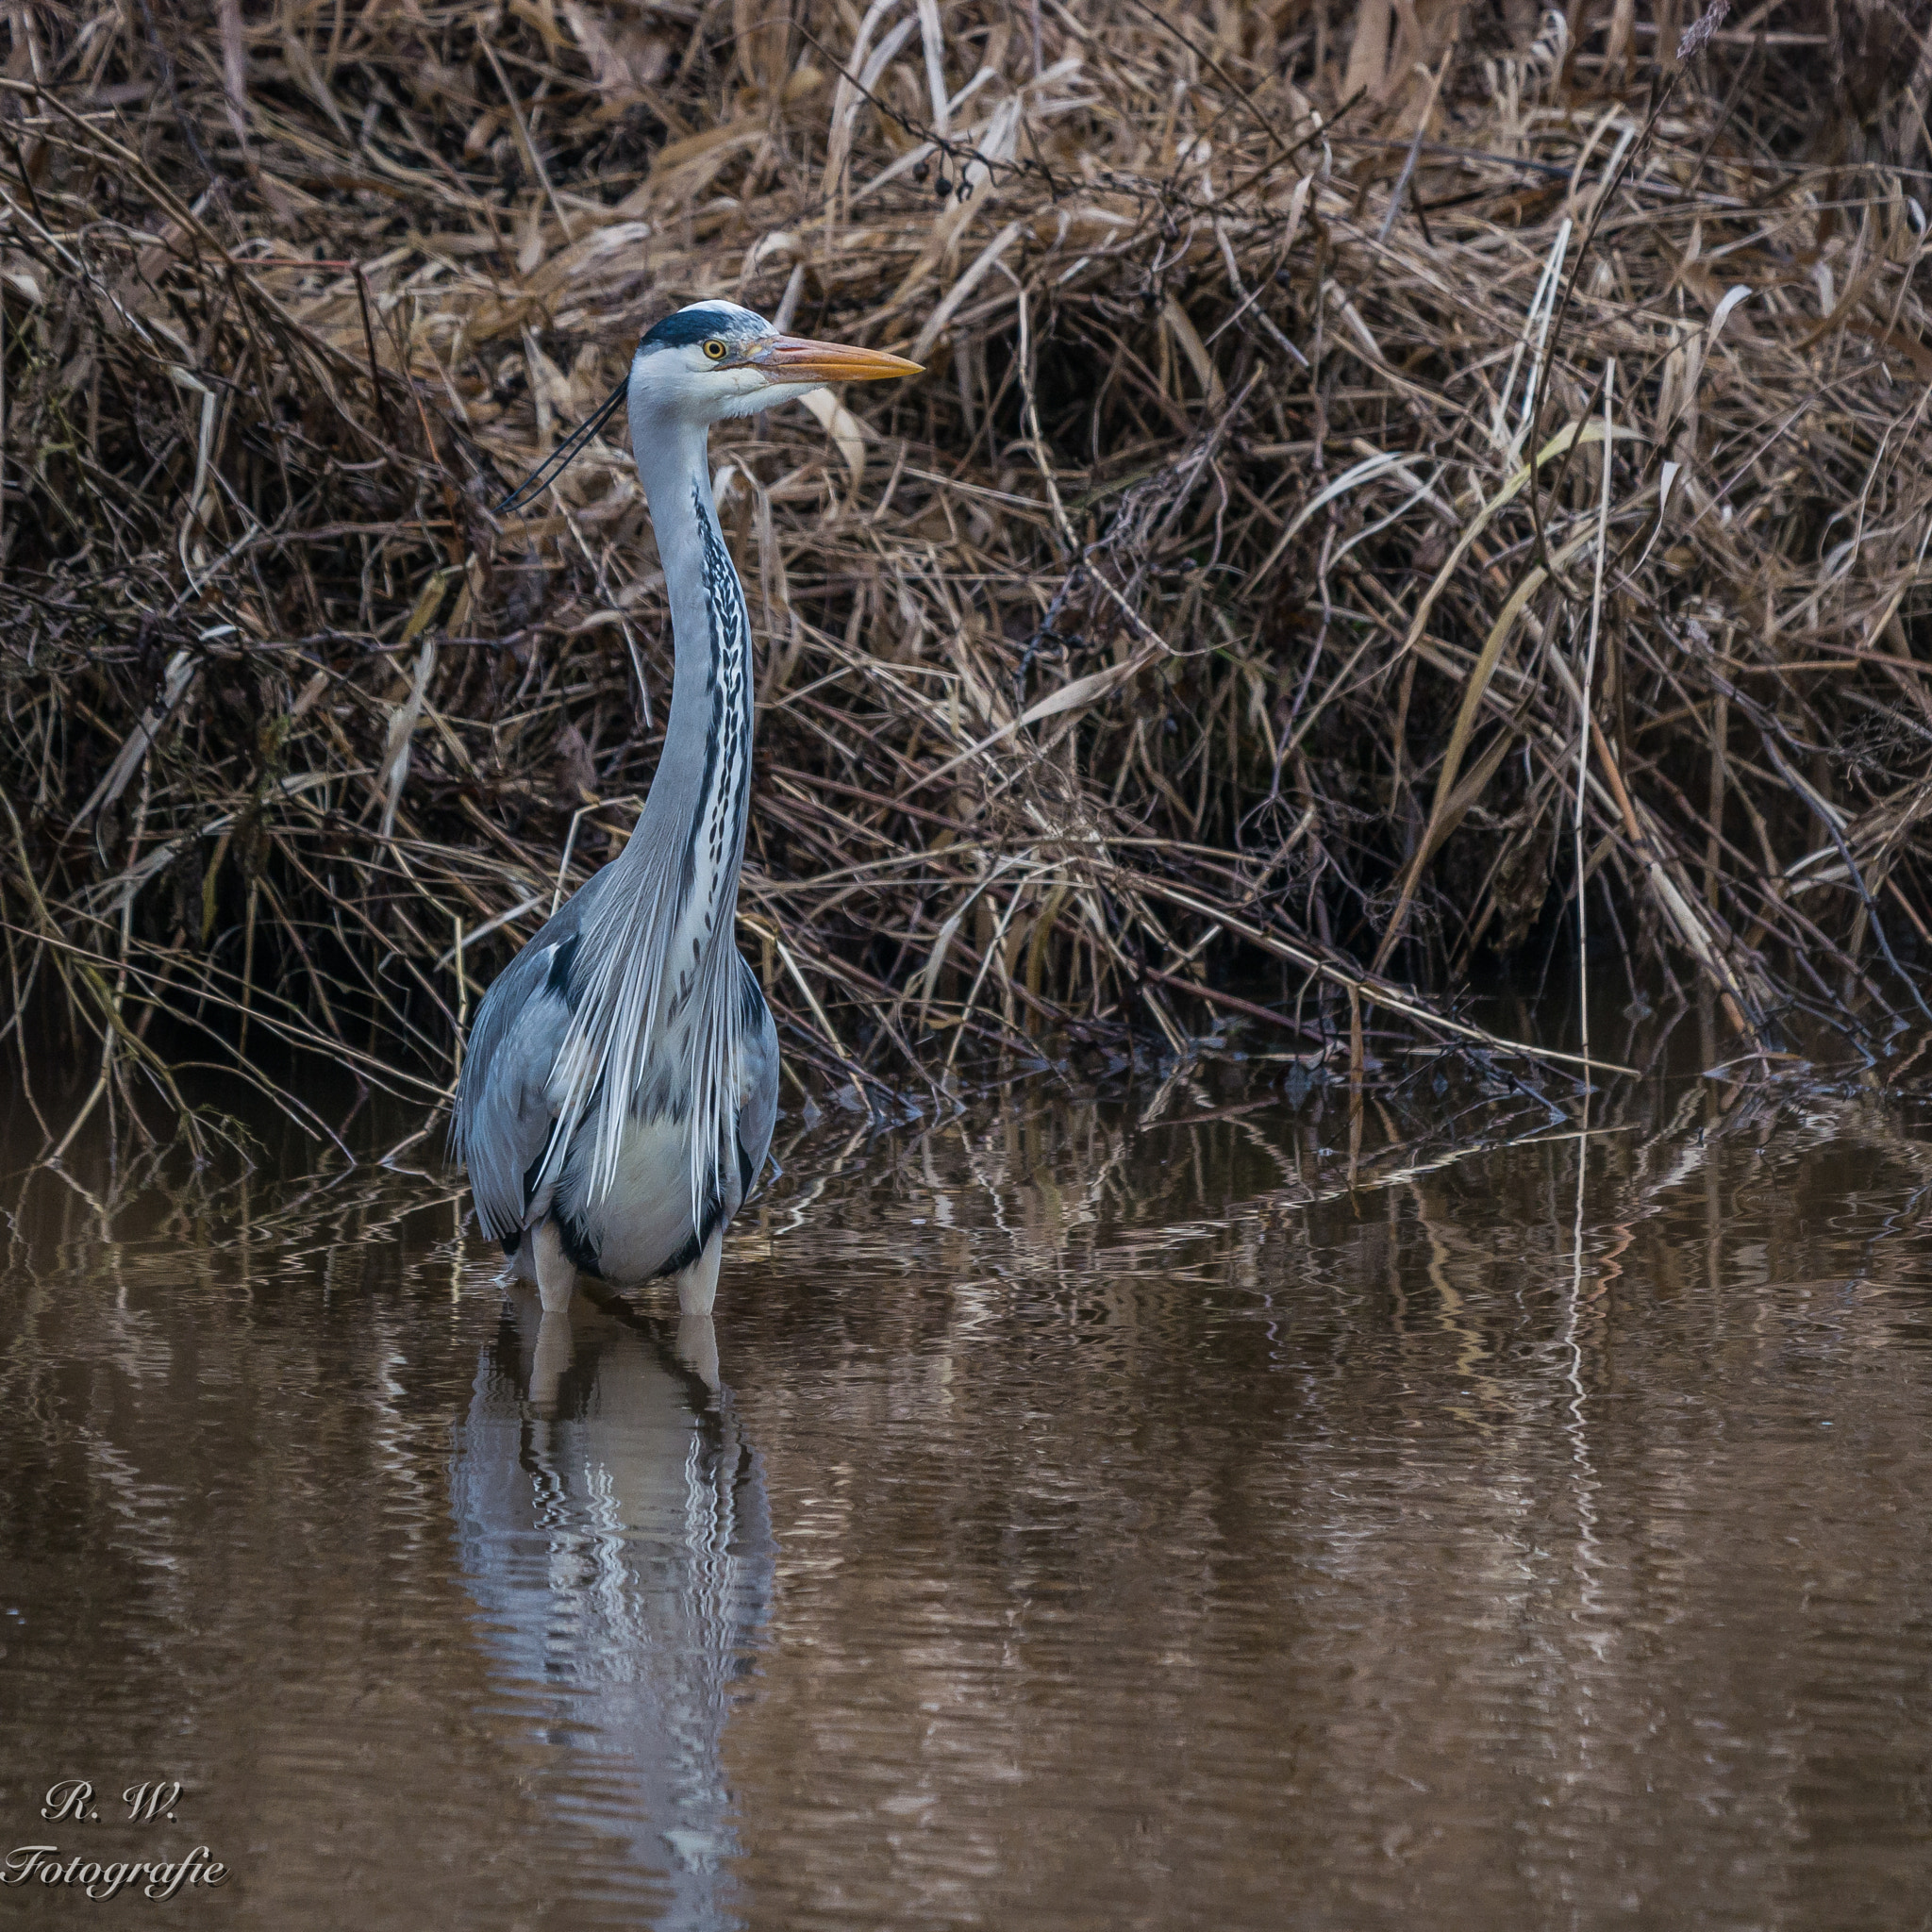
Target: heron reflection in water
(614,1532)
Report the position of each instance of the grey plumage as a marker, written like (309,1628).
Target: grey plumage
(617,1101)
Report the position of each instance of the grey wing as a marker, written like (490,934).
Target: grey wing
(758,1110)
(503,1117)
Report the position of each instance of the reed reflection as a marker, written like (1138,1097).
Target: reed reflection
(615,1533)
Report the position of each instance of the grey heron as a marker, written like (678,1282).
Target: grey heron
(617,1100)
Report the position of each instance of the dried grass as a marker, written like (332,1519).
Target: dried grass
(1200,609)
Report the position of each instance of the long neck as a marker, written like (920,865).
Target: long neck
(700,795)
(660,1002)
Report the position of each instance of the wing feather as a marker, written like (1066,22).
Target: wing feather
(504,1121)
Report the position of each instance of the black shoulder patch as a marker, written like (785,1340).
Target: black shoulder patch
(688,326)
(560,963)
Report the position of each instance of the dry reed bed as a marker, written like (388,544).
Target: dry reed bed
(1315,408)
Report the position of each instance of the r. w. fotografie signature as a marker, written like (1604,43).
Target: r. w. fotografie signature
(71,1800)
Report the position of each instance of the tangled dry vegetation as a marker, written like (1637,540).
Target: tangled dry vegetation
(1319,404)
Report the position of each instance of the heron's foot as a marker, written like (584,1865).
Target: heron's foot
(556,1278)
(697,1285)
(550,1360)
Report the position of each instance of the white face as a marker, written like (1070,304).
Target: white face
(714,360)
(710,375)
(711,360)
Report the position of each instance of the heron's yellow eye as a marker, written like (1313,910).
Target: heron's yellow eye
(715,350)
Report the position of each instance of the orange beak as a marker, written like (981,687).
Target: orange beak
(794,358)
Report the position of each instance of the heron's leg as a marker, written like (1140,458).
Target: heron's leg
(697,1285)
(697,1348)
(557,1279)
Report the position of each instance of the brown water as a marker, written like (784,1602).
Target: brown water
(1108,1519)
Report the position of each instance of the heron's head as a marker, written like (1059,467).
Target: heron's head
(713,360)
(709,360)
